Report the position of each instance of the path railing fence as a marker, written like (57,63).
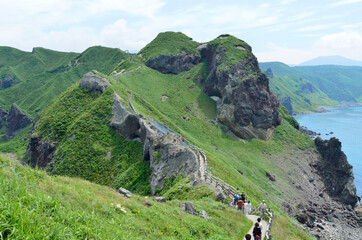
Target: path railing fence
(227,188)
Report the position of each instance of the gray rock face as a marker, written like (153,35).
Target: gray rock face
(7,81)
(159,199)
(94,83)
(189,208)
(169,158)
(125,192)
(173,64)
(287,103)
(336,172)
(39,153)
(247,106)
(203,215)
(16,121)
(3,115)
(128,125)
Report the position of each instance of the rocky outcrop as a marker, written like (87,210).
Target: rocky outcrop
(336,172)
(7,81)
(159,199)
(94,82)
(15,122)
(127,124)
(3,115)
(125,192)
(39,153)
(287,103)
(168,158)
(189,208)
(247,106)
(165,63)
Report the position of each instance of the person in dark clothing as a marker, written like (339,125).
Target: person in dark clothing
(248,237)
(257,232)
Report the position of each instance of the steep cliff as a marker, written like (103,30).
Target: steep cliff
(247,105)
(336,171)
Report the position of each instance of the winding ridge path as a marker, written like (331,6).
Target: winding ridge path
(204,174)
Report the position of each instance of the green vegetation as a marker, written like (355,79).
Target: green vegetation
(235,50)
(87,147)
(77,122)
(312,87)
(38,206)
(225,154)
(171,43)
(340,83)
(126,65)
(44,74)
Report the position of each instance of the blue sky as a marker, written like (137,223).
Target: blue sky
(285,30)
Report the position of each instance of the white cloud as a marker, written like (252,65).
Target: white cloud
(343,41)
(344,2)
(347,44)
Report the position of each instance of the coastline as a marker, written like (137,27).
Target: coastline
(324,109)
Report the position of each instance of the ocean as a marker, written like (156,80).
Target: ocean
(346,125)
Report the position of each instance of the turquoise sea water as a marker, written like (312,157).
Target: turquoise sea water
(346,125)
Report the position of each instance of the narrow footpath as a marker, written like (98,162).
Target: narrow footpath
(263,230)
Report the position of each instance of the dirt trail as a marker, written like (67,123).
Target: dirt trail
(263,222)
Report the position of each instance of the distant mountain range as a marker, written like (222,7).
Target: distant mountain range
(304,88)
(331,60)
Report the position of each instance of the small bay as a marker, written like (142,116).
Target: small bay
(346,125)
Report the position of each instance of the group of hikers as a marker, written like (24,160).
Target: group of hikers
(245,206)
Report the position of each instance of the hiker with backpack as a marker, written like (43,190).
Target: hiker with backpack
(257,232)
(236,198)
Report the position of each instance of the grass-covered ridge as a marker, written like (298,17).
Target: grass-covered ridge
(38,206)
(235,49)
(330,85)
(226,154)
(41,75)
(87,147)
(171,43)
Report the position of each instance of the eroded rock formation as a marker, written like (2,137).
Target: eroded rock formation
(165,63)
(3,115)
(39,153)
(287,103)
(336,172)
(93,82)
(247,105)
(15,122)
(167,156)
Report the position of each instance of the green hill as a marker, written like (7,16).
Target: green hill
(35,205)
(76,123)
(43,74)
(314,86)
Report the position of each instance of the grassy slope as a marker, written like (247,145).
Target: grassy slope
(340,83)
(87,147)
(43,74)
(226,155)
(77,209)
(288,81)
(169,43)
(231,155)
